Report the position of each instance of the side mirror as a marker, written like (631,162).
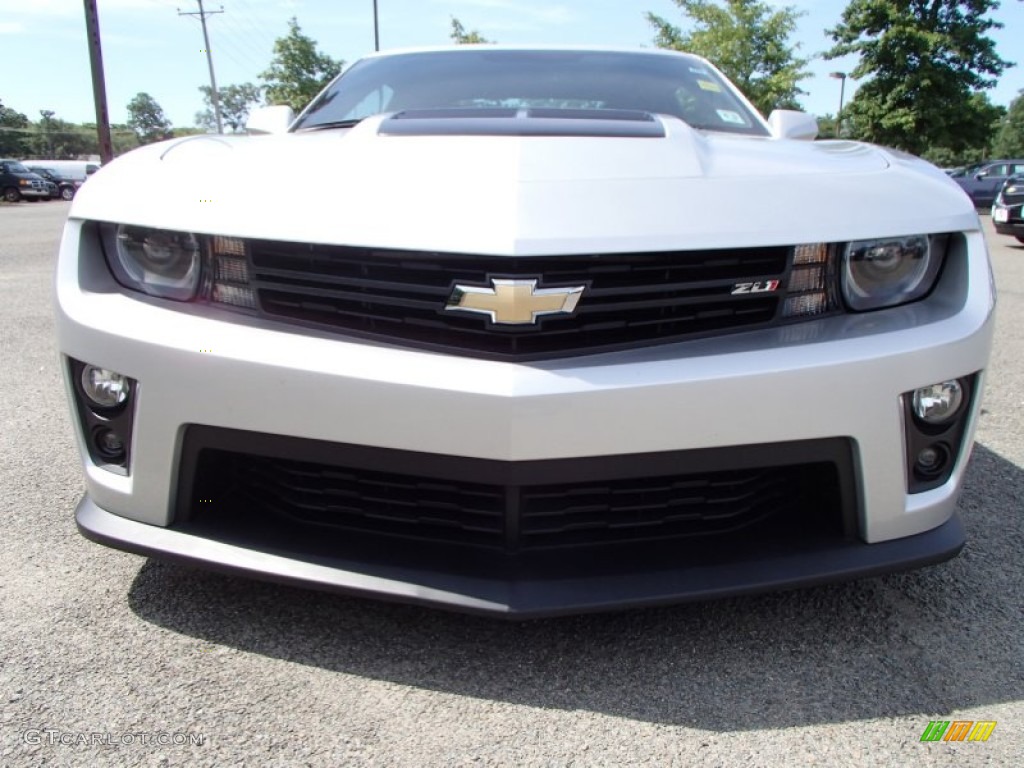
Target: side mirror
(275,119)
(790,124)
(981,175)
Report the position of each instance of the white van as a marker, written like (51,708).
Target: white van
(79,170)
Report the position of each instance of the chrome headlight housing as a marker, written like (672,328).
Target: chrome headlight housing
(890,271)
(157,261)
(179,265)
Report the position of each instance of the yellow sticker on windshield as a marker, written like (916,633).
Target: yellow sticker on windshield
(707,85)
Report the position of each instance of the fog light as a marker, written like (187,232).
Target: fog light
(938,403)
(931,461)
(109,444)
(104,388)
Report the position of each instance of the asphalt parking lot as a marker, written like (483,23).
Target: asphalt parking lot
(168,666)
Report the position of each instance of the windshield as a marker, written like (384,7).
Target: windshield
(967,170)
(17,168)
(677,85)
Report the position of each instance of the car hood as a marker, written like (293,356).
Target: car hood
(521,195)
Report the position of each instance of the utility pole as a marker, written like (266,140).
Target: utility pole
(99,89)
(209,59)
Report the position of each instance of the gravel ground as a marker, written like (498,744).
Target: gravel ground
(93,641)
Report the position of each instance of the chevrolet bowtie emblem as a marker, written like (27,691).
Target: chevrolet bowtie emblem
(514,302)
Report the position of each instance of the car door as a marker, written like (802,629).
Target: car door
(987,182)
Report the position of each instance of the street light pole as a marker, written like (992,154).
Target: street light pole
(841,77)
(376,28)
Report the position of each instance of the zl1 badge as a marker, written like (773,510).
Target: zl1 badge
(761,286)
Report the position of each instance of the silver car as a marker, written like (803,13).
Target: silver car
(579,330)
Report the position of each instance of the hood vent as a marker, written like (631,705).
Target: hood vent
(610,123)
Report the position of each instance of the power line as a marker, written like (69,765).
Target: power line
(265,38)
(209,59)
(241,42)
(249,16)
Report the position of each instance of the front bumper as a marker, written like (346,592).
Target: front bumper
(839,378)
(1012,226)
(525,597)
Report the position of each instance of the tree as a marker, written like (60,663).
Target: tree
(14,132)
(122,137)
(57,139)
(827,126)
(923,63)
(460,36)
(1009,141)
(147,119)
(298,71)
(747,40)
(235,103)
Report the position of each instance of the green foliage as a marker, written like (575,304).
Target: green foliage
(56,139)
(948,158)
(298,72)
(827,126)
(235,103)
(187,131)
(924,63)
(121,136)
(460,36)
(147,119)
(52,138)
(1009,141)
(747,40)
(14,127)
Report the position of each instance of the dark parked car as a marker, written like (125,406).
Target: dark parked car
(17,183)
(982,180)
(64,186)
(1008,208)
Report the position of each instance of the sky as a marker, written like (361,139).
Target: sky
(148,46)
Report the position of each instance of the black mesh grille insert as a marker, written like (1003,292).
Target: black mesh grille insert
(517,508)
(629,299)
(379,502)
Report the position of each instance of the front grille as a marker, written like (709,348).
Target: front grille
(514,509)
(629,299)
(377,502)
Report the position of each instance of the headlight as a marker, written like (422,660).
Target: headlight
(890,271)
(159,262)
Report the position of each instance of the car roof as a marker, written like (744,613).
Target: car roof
(527,48)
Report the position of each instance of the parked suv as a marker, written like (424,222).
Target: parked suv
(17,182)
(65,186)
(983,180)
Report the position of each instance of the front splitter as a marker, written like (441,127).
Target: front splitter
(525,597)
